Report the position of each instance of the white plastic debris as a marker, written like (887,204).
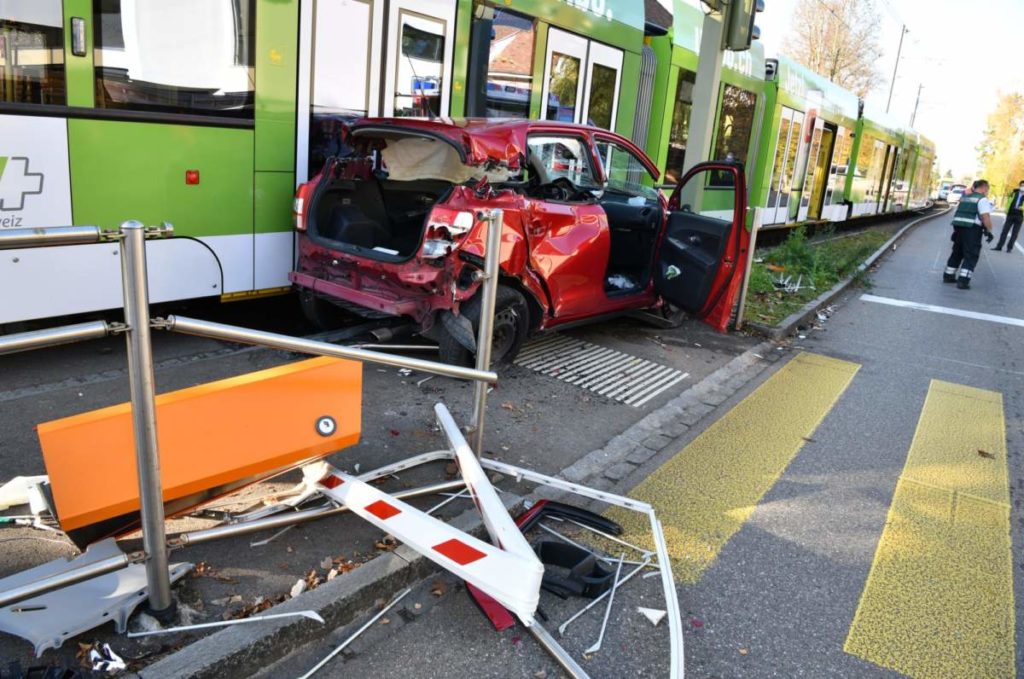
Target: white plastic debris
(107,661)
(298,588)
(17,491)
(652,614)
(620,282)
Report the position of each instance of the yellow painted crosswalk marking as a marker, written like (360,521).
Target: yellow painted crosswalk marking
(706,492)
(939,599)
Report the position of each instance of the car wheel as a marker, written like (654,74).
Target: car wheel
(511,325)
(320,313)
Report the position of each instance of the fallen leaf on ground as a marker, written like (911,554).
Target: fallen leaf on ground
(451,469)
(744,651)
(986,454)
(385,621)
(298,588)
(438,588)
(331,574)
(327,563)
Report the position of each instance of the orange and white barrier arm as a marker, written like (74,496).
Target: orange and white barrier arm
(509,577)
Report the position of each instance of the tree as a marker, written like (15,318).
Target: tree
(1001,152)
(838,39)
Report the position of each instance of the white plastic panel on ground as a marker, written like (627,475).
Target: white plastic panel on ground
(607,372)
(507,577)
(71,279)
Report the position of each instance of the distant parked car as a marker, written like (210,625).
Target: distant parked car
(955,194)
(395,228)
(943,192)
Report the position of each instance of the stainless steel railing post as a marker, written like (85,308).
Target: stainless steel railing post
(492,264)
(143,397)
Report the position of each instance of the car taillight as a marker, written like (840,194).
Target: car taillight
(299,212)
(444,228)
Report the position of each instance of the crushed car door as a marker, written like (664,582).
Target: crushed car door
(703,250)
(565,225)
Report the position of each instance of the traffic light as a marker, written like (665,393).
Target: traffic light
(739,28)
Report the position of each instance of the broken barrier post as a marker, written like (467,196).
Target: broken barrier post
(489,292)
(143,397)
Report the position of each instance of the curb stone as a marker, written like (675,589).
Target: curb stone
(809,310)
(238,652)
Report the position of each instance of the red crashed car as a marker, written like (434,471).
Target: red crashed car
(393,229)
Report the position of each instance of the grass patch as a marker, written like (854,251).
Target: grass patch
(821,264)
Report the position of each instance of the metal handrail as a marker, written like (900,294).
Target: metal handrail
(273,340)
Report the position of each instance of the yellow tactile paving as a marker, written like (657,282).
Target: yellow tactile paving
(705,493)
(939,599)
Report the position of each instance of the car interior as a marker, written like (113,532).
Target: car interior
(379,216)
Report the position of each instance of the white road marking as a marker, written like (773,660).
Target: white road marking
(1017,245)
(614,374)
(949,311)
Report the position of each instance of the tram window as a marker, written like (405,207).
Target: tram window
(341,68)
(735,126)
(680,126)
(32,52)
(778,195)
(420,67)
(188,56)
(602,96)
(789,171)
(510,66)
(840,165)
(564,81)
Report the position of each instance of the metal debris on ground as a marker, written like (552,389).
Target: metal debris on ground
(312,615)
(607,611)
(340,647)
(654,615)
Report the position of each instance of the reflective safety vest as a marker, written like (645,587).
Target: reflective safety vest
(967,212)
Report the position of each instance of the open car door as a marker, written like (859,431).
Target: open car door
(704,248)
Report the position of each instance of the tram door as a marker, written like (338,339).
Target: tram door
(581,80)
(786,148)
(814,150)
(819,181)
(418,62)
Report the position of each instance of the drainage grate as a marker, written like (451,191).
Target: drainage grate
(614,374)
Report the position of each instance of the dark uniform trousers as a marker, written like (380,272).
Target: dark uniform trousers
(1011,226)
(966,249)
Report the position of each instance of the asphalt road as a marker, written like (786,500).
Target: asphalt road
(526,425)
(779,596)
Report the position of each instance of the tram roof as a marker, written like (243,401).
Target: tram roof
(803,83)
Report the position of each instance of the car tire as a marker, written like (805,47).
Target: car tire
(511,326)
(321,314)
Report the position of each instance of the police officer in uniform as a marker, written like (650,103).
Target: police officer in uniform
(972,220)
(1014,218)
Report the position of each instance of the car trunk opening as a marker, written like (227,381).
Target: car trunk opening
(377,204)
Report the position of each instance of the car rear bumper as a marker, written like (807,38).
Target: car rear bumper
(377,299)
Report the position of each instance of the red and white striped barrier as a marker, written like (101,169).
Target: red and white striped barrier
(510,577)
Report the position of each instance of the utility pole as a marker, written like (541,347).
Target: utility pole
(896,70)
(913,118)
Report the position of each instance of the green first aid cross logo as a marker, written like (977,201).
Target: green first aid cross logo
(16,182)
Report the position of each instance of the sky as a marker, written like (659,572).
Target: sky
(965,54)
